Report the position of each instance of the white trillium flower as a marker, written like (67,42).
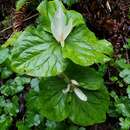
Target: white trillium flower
(80,94)
(74,82)
(59,28)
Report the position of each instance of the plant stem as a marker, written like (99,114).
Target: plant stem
(65,77)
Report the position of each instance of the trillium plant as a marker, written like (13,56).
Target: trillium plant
(60,51)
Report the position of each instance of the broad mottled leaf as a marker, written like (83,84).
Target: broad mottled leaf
(47,11)
(37,53)
(76,17)
(4,53)
(83,48)
(52,101)
(87,78)
(57,105)
(93,110)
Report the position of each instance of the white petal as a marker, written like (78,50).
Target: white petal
(58,24)
(68,28)
(74,82)
(59,28)
(67,89)
(80,94)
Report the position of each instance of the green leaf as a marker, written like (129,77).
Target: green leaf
(122,64)
(57,105)
(52,101)
(7,89)
(36,53)
(12,107)
(47,11)
(128,91)
(76,17)
(83,48)
(123,106)
(31,100)
(4,53)
(82,128)
(21,126)
(20,3)
(125,74)
(5,73)
(12,39)
(87,78)
(2,101)
(52,125)
(70,2)
(73,127)
(14,86)
(35,84)
(19,81)
(90,112)
(32,119)
(124,123)
(5,122)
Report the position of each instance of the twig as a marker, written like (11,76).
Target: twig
(10,27)
(127,56)
(65,77)
(2,31)
(33,16)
